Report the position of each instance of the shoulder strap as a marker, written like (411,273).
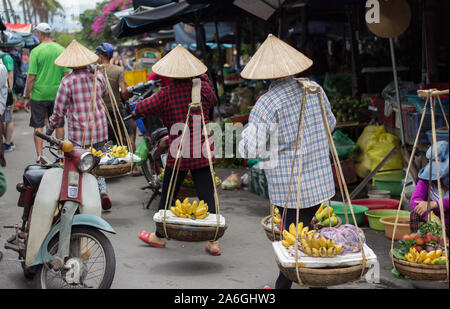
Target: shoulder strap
(196,90)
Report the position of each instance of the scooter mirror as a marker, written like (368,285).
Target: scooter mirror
(67,146)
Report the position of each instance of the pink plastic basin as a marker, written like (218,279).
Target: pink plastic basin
(376,203)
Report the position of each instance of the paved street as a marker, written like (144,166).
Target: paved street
(247,260)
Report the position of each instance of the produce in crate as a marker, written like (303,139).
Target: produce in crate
(310,243)
(324,217)
(187,210)
(424,247)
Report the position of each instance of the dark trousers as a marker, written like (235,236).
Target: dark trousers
(203,185)
(305,216)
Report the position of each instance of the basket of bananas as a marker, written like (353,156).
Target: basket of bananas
(311,247)
(190,222)
(271,225)
(113,163)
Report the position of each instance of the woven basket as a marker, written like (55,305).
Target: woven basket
(110,171)
(421,272)
(190,233)
(322,277)
(272,235)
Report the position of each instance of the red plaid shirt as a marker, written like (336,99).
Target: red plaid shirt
(74,100)
(171,103)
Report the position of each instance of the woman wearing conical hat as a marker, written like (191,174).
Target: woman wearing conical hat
(86,124)
(274,118)
(171,104)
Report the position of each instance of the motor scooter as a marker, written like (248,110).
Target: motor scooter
(60,242)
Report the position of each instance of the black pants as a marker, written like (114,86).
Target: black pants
(305,216)
(203,186)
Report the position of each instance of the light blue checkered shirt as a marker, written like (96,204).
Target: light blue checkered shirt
(281,106)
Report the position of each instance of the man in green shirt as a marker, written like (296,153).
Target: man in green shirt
(43,80)
(8,62)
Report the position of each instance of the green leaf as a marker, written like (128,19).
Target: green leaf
(398,254)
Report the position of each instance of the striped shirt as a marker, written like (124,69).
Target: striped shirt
(74,100)
(280,107)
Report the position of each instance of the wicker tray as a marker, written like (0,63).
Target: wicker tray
(272,235)
(190,233)
(323,277)
(421,272)
(110,171)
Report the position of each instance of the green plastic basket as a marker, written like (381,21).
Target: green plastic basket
(376,214)
(390,181)
(358,210)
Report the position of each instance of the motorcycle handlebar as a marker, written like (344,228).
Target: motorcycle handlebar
(130,116)
(51,140)
(145,85)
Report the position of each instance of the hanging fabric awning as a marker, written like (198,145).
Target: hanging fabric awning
(23,28)
(152,20)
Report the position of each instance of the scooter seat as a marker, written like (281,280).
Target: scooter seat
(33,175)
(159,133)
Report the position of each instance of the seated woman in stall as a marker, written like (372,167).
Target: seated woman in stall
(419,198)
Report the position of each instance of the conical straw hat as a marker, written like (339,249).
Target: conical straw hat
(179,63)
(395,17)
(275,59)
(76,56)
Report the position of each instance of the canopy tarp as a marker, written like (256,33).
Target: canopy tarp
(185,34)
(150,3)
(161,17)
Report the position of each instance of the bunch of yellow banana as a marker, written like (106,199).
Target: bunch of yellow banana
(191,211)
(320,246)
(289,235)
(119,151)
(424,257)
(276,217)
(96,153)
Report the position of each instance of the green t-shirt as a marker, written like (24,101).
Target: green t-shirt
(48,74)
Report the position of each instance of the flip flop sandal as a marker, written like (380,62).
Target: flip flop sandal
(144,236)
(213,253)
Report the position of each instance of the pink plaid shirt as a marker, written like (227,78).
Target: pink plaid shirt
(74,100)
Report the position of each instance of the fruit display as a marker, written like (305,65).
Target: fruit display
(349,109)
(276,217)
(196,210)
(96,153)
(324,217)
(424,247)
(435,257)
(347,235)
(310,243)
(188,180)
(118,151)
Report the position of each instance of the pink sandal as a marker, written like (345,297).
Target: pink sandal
(144,236)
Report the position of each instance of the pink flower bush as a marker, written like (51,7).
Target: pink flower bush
(101,21)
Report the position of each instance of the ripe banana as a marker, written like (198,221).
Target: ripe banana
(202,216)
(331,252)
(288,237)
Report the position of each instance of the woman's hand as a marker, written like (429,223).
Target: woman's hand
(422,207)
